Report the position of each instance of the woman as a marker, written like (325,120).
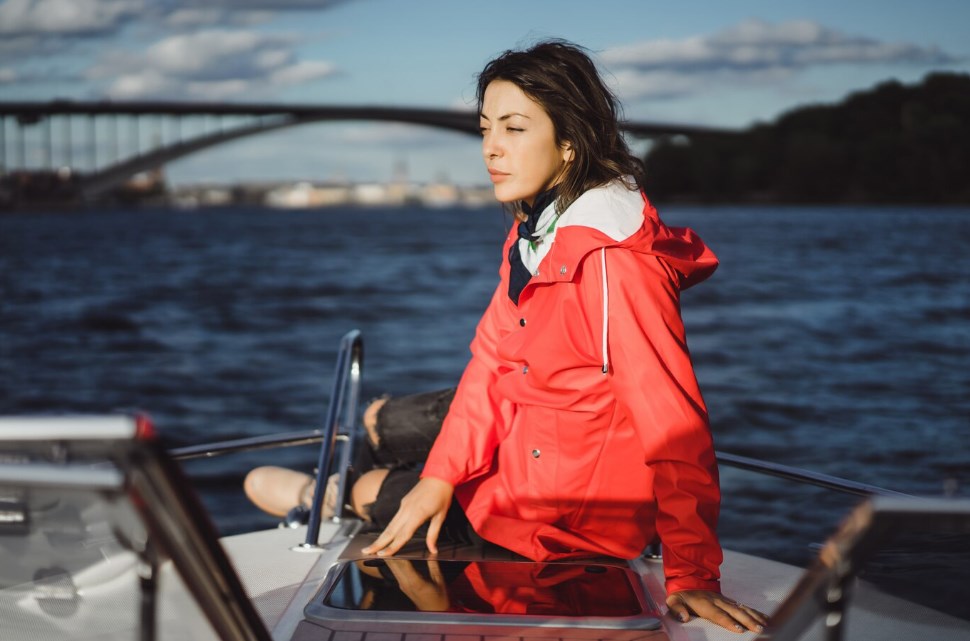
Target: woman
(578,427)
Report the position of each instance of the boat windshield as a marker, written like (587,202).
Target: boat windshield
(896,569)
(95,534)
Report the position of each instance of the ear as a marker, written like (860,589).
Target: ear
(567,152)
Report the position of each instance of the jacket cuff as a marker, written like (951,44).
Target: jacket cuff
(692,583)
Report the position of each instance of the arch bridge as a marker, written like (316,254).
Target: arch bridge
(102,128)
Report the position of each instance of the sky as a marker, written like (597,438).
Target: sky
(727,63)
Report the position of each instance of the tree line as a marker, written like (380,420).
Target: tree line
(889,144)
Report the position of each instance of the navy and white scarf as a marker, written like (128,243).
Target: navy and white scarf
(519,274)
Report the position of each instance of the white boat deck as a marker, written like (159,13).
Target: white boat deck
(281,581)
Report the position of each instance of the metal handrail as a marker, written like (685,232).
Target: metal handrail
(248,444)
(787,472)
(807,477)
(346,382)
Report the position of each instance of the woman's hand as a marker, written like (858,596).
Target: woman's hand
(429,499)
(717,608)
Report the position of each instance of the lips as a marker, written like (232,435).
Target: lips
(497,176)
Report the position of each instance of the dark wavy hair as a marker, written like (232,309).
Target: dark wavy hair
(561,77)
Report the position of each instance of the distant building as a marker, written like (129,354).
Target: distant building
(439,195)
(303,195)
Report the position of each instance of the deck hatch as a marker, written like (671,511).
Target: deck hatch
(429,595)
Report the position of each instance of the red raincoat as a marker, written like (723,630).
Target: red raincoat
(553,458)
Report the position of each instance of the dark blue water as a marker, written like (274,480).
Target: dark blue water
(835,339)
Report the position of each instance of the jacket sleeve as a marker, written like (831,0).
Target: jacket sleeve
(653,380)
(479,417)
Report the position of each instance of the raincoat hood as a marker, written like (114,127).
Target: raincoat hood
(615,215)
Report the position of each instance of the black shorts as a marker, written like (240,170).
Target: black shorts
(397,483)
(407,427)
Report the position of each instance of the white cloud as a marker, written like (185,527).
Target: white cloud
(146,83)
(40,29)
(187,14)
(193,17)
(68,17)
(274,5)
(214,64)
(218,54)
(752,52)
(79,17)
(631,84)
(303,71)
(34,29)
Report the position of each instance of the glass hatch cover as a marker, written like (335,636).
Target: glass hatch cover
(445,592)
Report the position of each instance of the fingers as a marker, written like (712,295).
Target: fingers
(702,604)
(678,609)
(434,529)
(751,619)
(385,543)
(429,499)
(718,609)
(397,533)
(727,615)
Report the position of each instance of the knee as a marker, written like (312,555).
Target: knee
(276,490)
(365,490)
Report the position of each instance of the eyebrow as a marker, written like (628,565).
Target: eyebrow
(505,117)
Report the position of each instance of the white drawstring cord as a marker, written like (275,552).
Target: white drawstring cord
(606,314)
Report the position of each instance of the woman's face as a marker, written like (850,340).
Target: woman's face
(519,144)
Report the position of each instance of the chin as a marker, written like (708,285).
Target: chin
(508,194)
(502,196)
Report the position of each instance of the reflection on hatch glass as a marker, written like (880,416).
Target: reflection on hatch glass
(548,589)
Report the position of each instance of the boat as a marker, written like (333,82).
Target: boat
(103,537)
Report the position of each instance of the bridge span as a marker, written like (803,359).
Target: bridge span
(28,136)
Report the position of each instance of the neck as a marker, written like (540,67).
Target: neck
(539,202)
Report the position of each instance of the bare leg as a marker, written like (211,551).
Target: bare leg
(276,490)
(365,490)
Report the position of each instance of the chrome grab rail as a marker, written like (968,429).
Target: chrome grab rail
(824,590)
(346,384)
(249,444)
(787,472)
(807,477)
(344,395)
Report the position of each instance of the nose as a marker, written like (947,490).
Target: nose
(490,147)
